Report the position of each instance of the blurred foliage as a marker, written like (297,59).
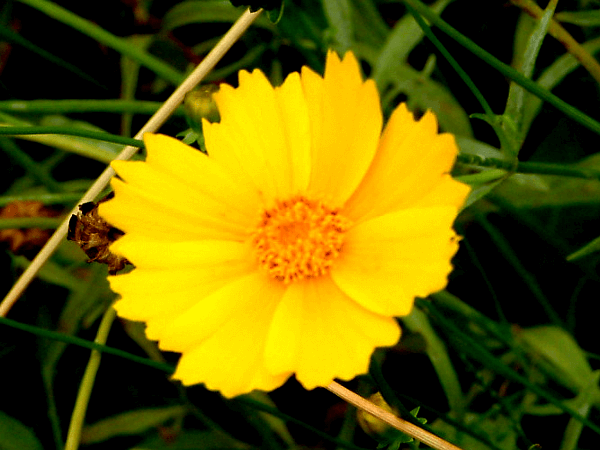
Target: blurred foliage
(505,358)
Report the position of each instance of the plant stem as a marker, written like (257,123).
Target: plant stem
(68,339)
(530,167)
(458,69)
(87,383)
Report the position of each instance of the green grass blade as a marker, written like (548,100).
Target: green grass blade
(45,198)
(82,106)
(34,169)
(15,38)
(85,344)
(70,131)
(505,69)
(516,96)
(403,38)
(339,16)
(92,30)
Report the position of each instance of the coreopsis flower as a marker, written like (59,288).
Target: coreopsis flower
(292,246)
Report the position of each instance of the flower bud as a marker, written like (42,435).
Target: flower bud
(199,104)
(371,424)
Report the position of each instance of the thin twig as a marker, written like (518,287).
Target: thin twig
(152,125)
(406,427)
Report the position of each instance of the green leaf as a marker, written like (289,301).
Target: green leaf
(535,191)
(255,5)
(587,249)
(81,105)
(370,29)
(130,423)
(130,70)
(276,14)
(550,78)
(403,38)
(275,423)
(136,331)
(39,195)
(91,148)
(248,60)
(102,150)
(53,273)
(210,11)
(557,352)
(582,404)
(437,352)
(581,18)
(193,440)
(498,429)
(422,94)
(339,16)
(16,436)
(486,179)
(525,64)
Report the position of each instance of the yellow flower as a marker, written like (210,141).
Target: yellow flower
(290,248)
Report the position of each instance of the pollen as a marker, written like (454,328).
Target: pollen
(299,239)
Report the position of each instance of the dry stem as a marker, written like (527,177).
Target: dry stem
(400,424)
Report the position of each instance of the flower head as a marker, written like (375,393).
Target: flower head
(290,247)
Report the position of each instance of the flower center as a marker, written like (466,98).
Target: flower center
(299,238)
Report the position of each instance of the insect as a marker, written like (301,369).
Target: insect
(94,235)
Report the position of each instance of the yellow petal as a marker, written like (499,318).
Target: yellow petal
(345,120)
(447,192)
(321,334)
(229,357)
(180,191)
(158,294)
(210,313)
(294,114)
(197,172)
(147,305)
(263,135)
(187,185)
(142,210)
(386,262)
(412,160)
(146,254)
